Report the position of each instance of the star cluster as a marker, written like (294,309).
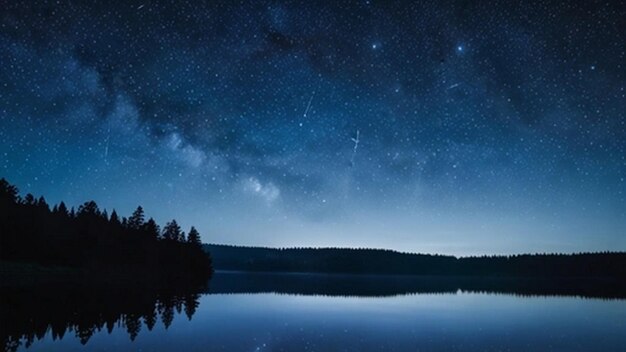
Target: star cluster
(481,126)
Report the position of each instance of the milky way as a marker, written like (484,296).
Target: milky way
(483,127)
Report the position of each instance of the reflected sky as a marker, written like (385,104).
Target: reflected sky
(461,321)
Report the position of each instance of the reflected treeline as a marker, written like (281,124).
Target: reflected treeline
(380,286)
(29,313)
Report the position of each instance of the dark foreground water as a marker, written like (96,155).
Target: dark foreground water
(293,312)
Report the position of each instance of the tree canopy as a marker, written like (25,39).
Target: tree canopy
(89,238)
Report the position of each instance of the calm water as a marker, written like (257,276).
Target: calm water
(240,313)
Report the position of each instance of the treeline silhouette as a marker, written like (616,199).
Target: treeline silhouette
(379,261)
(82,310)
(99,244)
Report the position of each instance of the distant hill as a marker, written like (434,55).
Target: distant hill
(380,261)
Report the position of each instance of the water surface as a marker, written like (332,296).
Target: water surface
(339,313)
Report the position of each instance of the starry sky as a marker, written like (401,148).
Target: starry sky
(464,127)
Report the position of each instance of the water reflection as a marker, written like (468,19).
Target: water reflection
(381,286)
(29,313)
(75,313)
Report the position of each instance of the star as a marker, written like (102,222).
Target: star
(452,110)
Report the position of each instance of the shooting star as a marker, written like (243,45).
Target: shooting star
(454,86)
(356,146)
(140,7)
(308,106)
(106,146)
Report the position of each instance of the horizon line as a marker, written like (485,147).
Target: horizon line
(419,253)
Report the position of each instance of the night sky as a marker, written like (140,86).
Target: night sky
(464,127)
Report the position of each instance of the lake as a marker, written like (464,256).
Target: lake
(305,312)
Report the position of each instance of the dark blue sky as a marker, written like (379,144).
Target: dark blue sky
(483,126)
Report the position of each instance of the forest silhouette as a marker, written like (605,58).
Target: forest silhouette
(389,262)
(93,245)
(98,243)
